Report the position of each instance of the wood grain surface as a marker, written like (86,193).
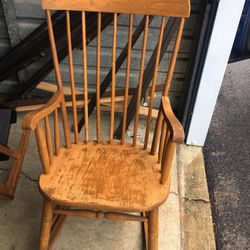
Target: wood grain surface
(176,8)
(105,176)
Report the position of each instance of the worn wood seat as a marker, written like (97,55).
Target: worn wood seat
(113,177)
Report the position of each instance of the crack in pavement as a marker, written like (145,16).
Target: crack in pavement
(190,199)
(172,192)
(4,169)
(28,177)
(196,200)
(22,173)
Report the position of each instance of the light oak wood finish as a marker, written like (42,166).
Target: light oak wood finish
(72,77)
(7,189)
(108,179)
(98,75)
(52,88)
(101,215)
(104,105)
(153,85)
(85,77)
(49,140)
(167,84)
(42,148)
(56,133)
(162,140)
(139,88)
(143,111)
(178,8)
(31,120)
(46,224)
(174,58)
(145,229)
(9,152)
(105,176)
(30,105)
(112,116)
(173,124)
(58,78)
(56,229)
(153,229)
(130,35)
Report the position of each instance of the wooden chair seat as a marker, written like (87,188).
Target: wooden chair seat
(105,176)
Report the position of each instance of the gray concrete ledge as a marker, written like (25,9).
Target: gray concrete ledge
(196,219)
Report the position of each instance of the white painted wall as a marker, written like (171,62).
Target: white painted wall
(223,34)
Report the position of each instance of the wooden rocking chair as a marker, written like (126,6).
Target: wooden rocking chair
(107,179)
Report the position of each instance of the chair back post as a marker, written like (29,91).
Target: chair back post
(59,80)
(167,85)
(153,85)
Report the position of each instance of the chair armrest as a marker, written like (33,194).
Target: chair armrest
(175,127)
(31,120)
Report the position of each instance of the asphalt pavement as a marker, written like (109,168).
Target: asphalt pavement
(227,160)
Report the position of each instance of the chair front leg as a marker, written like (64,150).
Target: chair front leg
(145,231)
(153,229)
(46,223)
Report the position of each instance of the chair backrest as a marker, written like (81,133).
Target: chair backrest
(148,8)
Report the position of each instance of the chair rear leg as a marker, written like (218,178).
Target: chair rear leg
(153,229)
(46,223)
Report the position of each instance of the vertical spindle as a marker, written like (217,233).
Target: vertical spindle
(167,85)
(49,140)
(42,148)
(130,35)
(85,77)
(149,118)
(59,80)
(56,133)
(139,88)
(162,139)
(72,77)
(98,74)
(174,58)
(112,116)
